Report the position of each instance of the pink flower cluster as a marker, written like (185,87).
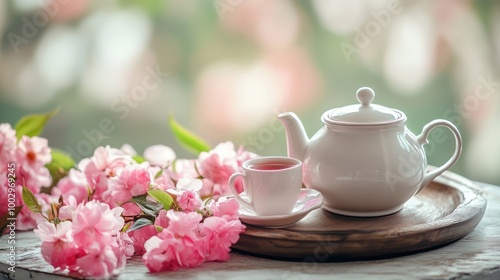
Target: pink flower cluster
(89,242)
(185,241)
(217,166)
(29,156)
(172,212)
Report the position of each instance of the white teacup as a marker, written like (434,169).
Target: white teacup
(272,184)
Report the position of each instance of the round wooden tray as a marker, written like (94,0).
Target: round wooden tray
(445,211)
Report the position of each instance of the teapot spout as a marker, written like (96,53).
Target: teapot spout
(296,137)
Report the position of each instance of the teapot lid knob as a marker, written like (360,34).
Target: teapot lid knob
(366,113)
(365,96)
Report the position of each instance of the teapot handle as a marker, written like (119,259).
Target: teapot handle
(422,140)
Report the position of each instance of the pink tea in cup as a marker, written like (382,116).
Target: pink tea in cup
(271,166)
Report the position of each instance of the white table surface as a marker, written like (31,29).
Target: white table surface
(476,256)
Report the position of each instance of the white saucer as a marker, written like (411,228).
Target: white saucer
(307,201)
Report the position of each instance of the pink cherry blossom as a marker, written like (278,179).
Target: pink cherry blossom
(109,160)
(185,168)
(75,184)
(95,221)
(242,155)
(159,155)
(123,248)
(125,245)
(102,254)
(219,190)
(219,163)
(163,178)
(33,179)
(48,232)
(140,236)
(7,144)
(58,247)
(225,208)
(162,220)
(187,194)
(183,224)
(100,261)
(189,201)
(105,163)
(61,255)
(133,180)
(161,255)
(33,152)
(220,234)
(207,190)
(188,184)
(67,212)
(168,252)
(177,246)
(45,200)
(190,252)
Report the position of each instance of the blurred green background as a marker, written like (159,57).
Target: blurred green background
(225,69)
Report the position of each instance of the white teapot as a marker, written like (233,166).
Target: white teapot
(364,160)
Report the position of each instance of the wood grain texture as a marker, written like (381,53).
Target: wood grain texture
(445,211)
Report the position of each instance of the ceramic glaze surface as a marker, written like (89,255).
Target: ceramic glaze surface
(383,173)
(307,201)
(364,160)
(269,192)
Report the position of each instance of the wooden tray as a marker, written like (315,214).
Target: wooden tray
(445,211)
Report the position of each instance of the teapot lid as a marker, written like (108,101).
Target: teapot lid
(364,114)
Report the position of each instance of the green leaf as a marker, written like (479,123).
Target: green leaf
(31,201)
(140,223)
(60,165)
(147,207)
(138,159)
(4,220)
(62,159)
(158,174)
(163,197)
(32,125)
(187,139)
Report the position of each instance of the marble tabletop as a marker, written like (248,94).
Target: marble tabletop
(476,256)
